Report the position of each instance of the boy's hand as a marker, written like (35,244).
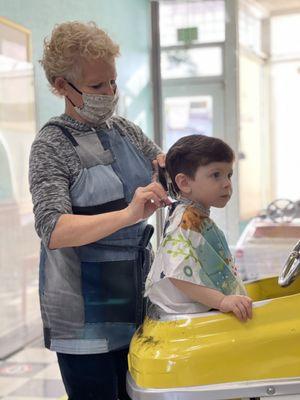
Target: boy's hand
(241,306)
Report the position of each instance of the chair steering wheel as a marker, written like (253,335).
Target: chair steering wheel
(282,210)
(291,267)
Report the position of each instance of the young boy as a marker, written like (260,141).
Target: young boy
(193,270)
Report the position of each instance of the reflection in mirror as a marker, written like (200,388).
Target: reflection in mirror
(18,242)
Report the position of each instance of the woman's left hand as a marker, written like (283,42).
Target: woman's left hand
(160,161)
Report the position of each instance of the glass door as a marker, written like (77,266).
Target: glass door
(195,109)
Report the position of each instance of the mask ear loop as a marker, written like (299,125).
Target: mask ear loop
(75,88)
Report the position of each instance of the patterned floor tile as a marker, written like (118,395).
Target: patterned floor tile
(22,370)
(49,388)
(37,343)
(31,374)
(8,385)
(50,372)
(34,355)
(28,398)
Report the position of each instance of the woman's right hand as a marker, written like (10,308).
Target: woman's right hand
(145,202)
(241,306)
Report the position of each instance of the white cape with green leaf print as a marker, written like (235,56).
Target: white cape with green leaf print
(195,250)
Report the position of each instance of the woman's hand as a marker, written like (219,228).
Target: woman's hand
(145,202)
(77,230)
(241,306)
(160,161)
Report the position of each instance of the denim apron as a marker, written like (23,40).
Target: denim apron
(92,296)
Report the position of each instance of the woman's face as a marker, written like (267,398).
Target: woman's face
(98,77)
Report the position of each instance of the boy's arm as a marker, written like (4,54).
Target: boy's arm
(241,306)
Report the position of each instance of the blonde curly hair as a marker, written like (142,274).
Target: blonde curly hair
(70,42)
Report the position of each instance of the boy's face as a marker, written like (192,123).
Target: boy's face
(211,185)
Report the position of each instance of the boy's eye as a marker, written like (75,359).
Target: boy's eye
(230,175)
(216,174)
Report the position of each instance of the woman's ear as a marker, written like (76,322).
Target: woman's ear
(183,183)
(60,85)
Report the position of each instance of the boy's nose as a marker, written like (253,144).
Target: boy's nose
(227,183)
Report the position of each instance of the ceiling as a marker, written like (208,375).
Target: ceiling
(275,6)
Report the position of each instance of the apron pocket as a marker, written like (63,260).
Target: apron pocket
(110,291)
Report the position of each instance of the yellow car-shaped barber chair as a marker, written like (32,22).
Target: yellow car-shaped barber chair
(213,356)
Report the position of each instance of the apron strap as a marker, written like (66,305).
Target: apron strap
(65,132)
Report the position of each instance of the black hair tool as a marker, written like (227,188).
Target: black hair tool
(162,177)
(165,180)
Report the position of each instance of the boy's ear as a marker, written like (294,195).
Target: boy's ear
(183,183)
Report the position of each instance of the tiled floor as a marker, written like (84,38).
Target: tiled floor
(31,374)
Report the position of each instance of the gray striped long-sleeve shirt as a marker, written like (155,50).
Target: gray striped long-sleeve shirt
(54,166)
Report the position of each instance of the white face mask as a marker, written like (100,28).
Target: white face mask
(97,108)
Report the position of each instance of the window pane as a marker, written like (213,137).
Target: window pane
(254,173)
(286,126)
(13,43)
(187,116)
(206,17)
(285,33)
(250,23)
(182,63)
